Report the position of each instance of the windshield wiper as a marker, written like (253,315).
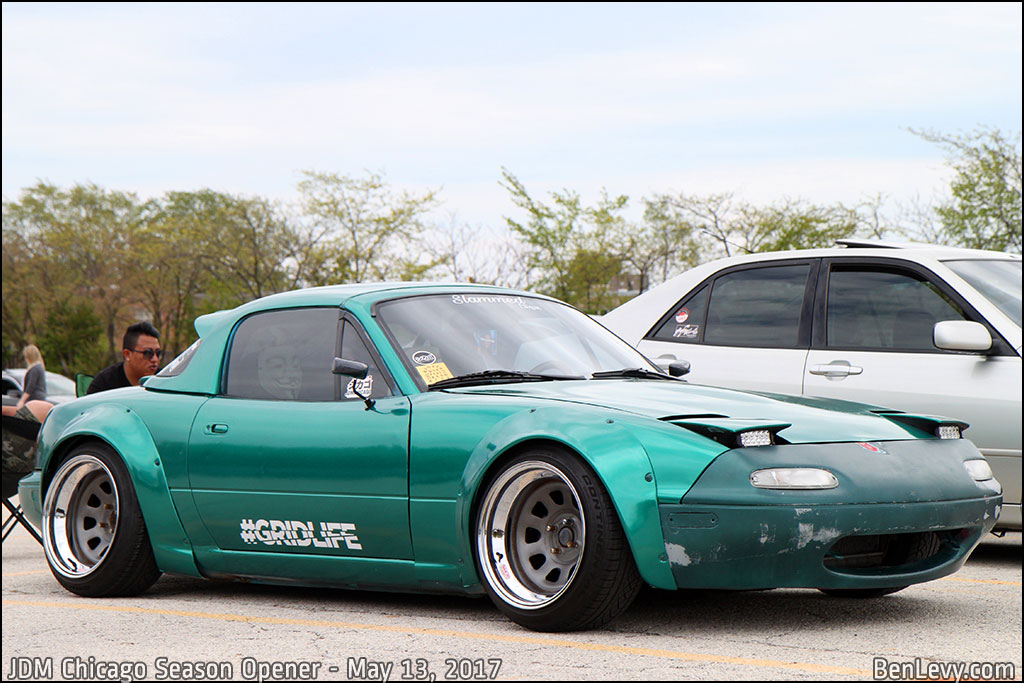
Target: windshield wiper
(633,372)
(497,377)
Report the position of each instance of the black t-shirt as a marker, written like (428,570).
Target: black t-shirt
(35,383)
(109,378)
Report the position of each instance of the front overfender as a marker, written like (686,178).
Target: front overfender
(121,429)
(610,449)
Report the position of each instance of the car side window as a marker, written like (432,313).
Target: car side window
(284,355)
(758,307)
(686,319)
(354,348)
(884,309)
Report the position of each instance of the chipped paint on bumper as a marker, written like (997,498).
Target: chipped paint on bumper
(776,546)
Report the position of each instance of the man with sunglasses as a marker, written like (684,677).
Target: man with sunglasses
(142,354)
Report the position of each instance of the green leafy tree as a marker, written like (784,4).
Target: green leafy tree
(575,250)
(984,211)
(727,226)
(76,243)
(71,337)
(360,229)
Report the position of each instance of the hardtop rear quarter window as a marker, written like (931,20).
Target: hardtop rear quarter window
(178,365)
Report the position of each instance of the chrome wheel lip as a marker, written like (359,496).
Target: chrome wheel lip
(66,513)
(500,553)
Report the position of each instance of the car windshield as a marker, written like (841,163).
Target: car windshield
(997,281)
(443,336)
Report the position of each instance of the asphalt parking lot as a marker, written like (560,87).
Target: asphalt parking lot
(189,629)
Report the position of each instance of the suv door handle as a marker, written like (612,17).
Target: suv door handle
(837,368)
(216,429)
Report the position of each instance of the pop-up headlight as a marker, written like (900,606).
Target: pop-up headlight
(755,437)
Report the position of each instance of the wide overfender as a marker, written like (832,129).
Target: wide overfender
(609,443)
(120,428)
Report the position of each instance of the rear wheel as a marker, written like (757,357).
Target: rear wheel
(93,532)
(549,545)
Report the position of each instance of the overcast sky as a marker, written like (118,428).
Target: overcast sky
(765,100)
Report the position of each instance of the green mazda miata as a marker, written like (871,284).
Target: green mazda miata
(469,439)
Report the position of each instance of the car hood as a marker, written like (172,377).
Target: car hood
(808,420)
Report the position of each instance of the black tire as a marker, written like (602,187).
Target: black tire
(922,546)
(93,533)
(550,549)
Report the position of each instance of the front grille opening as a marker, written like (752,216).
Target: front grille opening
(892,552)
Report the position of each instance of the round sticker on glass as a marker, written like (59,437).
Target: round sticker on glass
(682,316)
(423,358)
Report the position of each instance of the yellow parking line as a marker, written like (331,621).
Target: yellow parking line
(35,571)
(992,581)
(494,637)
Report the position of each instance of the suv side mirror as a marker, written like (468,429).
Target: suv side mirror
(679,368)
(961,335)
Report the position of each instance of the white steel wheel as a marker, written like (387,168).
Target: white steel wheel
(79,516)
(533,533)
(549,546)
(94,536)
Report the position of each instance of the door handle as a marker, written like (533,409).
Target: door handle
(216,429)
(837,369)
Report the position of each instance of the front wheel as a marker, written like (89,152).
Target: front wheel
(93,532)
(550,547)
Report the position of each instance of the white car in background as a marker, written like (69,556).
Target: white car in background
(917,328)
(59,388)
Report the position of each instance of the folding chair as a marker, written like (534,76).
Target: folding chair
(82,382)
(16,468)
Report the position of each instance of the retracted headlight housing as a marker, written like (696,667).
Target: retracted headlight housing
(755,437)
(942,427)
(793,478)
(732,432)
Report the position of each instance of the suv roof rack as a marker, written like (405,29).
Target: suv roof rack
(854,243)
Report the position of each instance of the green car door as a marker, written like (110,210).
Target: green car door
(289,459)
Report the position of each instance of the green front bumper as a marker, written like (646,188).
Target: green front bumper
(775,546)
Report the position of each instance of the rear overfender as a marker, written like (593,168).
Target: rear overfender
(121,429)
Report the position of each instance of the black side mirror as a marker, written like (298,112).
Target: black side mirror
(350,368)
(679,368)
(353,368)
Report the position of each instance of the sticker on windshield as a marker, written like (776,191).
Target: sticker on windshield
(682,316)
(510,300)
(435,372)
(423,358)
(363,386)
